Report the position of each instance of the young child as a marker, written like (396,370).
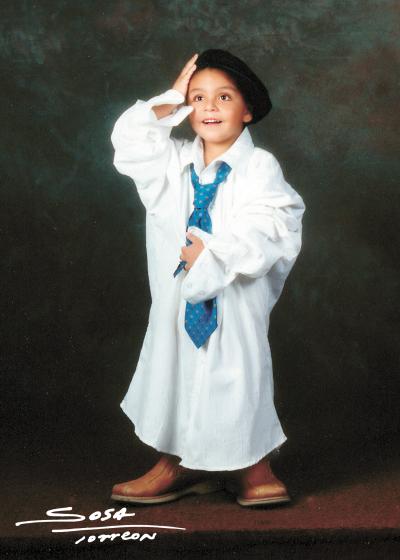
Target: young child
(202,392)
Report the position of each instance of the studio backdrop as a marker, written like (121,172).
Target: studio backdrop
(75,295)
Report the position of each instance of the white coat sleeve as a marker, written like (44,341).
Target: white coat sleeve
(143,145)
(263,232)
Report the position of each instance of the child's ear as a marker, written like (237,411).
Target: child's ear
(247,117)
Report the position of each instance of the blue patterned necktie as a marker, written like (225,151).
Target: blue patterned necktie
(201,318)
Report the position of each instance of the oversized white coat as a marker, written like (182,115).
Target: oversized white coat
(213,406)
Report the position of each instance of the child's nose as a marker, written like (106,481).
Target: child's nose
(210,105)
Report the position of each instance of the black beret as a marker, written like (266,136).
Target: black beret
(250,86)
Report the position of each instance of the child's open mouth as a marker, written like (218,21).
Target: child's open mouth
(211,121)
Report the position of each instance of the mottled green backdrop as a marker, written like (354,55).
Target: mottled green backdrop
(75,295)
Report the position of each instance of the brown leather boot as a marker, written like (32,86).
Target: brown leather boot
(165,482)
(257,485)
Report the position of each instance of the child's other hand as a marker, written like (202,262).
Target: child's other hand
(182,82)
(191,252)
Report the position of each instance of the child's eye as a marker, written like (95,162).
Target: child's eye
(197,98)
(224,96)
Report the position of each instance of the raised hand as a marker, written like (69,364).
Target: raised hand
(182,81)
(181,85)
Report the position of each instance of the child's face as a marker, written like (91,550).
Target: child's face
(215,96)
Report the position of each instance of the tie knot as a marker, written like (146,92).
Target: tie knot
(203,194)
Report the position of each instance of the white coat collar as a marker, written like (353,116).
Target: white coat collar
(236,155)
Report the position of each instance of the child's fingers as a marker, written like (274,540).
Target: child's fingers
(182,82)
(189,64)
(187,70)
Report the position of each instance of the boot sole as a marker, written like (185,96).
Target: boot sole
(263,501)
(204,487)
